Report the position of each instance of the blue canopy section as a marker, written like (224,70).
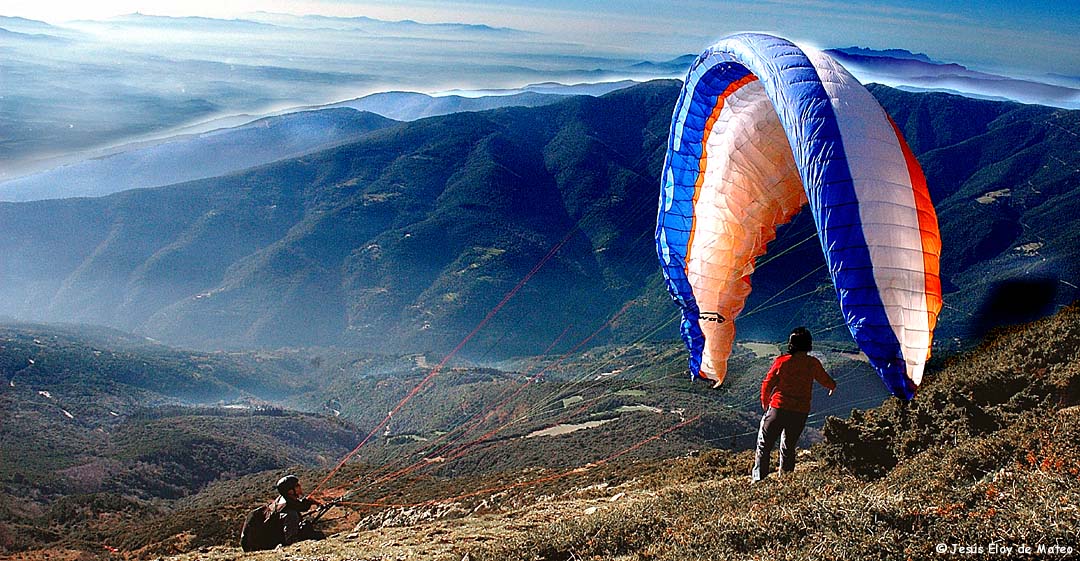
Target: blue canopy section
(681,170)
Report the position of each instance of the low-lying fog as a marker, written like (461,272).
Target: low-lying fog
(86,85)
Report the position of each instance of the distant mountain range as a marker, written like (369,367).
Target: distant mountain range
(225,150)
(269,23)
(372,25)
(897,67)
(88,89)
(81,89)
(31,39)
(407,238)
(28,26)
(209,154)
(902,54)
(409,106)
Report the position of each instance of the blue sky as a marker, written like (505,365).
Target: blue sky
(1036,37)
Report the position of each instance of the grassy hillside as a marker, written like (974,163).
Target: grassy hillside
(986,454)
(102,430)
(114,440)
(69,485)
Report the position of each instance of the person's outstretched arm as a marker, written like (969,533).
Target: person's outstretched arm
(822,377)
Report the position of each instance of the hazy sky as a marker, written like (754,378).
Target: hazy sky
(991,34)
(90,85)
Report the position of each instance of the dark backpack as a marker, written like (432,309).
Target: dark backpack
(262,529)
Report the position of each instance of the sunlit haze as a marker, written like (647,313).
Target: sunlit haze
(1019,35)
(97,75)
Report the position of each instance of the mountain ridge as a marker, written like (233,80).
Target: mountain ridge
(185,158)
(904,69)
(407,239)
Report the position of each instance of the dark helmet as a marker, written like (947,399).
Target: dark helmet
(287,483)
(800,340)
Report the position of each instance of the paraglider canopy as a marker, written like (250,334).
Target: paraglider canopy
(761,128)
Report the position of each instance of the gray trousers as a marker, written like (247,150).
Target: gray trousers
(777,423)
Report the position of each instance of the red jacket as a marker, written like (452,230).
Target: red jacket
(789,383)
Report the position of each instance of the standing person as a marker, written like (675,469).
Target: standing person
(785,397)
(290,508)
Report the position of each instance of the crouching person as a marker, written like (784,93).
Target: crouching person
(281,522)
(290,508)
